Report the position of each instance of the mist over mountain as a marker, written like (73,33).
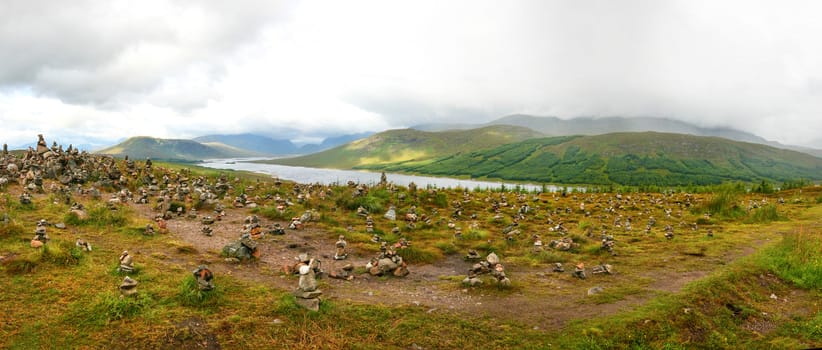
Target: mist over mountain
(553,126)
(269,146)
(253,142)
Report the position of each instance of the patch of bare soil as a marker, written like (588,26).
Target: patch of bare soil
(192,333)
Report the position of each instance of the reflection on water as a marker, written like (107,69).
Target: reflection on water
(334,176)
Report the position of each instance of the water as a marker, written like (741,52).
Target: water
(334,176)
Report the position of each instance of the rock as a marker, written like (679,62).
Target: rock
(128,287)
(307,295)
(391,214)
(60,225)
(386,264)
(595,290)
(36,244)
(401,271)
(492,259)
(310,304)
(774,297)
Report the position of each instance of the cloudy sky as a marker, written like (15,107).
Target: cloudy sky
(98,71)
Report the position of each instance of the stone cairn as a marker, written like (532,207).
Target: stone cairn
(40,236)
(126,263)
(128,287)
(491,266)
(339,252)
(204,278)
(387,262)
(307,295)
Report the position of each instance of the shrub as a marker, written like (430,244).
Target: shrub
(415,255)
(725,205)
(111,307)
(191,295)
(61,254)
(100,216)
(764,214)
(10,230)
(20,265)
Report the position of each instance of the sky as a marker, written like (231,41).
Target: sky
(94,72)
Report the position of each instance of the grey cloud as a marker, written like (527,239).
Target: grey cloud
(113,52)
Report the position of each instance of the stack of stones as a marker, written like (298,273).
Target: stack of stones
(126,263)
(204,278)
(307,295)
(40,236)
(128,287)
(491,266)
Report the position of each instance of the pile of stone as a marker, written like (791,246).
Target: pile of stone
(126,263)
(307,295)
(387,263)
(128,287)
(204,278)
(40,236)
(491,266)
(241,250)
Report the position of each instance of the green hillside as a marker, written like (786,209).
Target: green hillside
(624,158)
(142,147)
(411,147)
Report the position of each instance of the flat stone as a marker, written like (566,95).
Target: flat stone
(307,295)
(36,244)
(595,290)
(310,304)
(60,225)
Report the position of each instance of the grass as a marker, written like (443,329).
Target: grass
(71,297)
(764,215)
(191,295)
(797,258)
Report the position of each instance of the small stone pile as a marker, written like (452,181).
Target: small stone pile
(128,287)
(491,266)
(204,278)
(126,262)
(40,236)
(387,262)
(307,295)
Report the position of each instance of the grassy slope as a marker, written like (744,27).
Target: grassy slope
(172,149)
(410,146)
(70,300)
(625,158)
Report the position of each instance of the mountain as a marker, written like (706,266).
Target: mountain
(410,146)
(252,142)
(552,126)
(647,158)
(142,147)
(332,142)
(268,146)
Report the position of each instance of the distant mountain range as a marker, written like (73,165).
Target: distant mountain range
(268,146)
(552,126)
(142,147)
(217,146)
(512,153)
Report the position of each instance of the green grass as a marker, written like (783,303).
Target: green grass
(797,258)
(764,215)
(100,216)
(191,295)
(71,298)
